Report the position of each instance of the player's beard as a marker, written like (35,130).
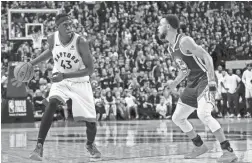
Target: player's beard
(163,35)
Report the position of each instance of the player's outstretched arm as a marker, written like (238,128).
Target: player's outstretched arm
(46,54)
(87,59)
(187,43)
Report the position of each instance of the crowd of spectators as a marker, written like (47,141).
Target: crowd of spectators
(131,62)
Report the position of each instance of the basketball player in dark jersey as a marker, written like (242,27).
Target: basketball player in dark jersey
(197,65)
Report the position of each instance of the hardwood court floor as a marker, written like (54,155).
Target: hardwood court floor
(156,141)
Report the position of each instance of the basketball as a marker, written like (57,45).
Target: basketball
(23,72)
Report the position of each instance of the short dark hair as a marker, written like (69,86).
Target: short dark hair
(172,20)
(60,16)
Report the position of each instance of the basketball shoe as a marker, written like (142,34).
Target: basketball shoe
(37,154)
(227,157)
(93,151)
(197,151)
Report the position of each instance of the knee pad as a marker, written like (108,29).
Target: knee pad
(204,114)
(180,116)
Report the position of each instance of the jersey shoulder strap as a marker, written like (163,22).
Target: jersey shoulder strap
(186,53)
(179,37)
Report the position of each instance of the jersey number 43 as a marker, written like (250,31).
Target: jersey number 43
(66,64)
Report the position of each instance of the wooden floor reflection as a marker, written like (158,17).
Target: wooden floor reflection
(123,141)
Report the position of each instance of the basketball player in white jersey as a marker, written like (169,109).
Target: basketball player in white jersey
(73,65)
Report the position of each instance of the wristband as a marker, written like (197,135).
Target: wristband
(212,88)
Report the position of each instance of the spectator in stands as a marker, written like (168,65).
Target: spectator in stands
(120,105)
(247,80)
(99,105)
(161,108)
(218,98)
(223,110)
(154,99)
(38,101)
(232,84)
(241,95)
(131,105)
(110,105)
(168,100)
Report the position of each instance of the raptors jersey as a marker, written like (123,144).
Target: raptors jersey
(188,62)
(67,58)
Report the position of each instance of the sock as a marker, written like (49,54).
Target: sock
(197,141)
(191,134)
(47,121)
(225,145)
(219,135)
(91,132)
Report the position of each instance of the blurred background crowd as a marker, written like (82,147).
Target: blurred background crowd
(131,63)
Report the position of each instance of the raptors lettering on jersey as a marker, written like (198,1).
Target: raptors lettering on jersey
(66,57)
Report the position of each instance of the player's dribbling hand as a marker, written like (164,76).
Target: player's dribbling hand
(57,77)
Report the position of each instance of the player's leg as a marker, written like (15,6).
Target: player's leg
(230,99)
(84,108)
(136,111)
(128,108)
(185,106)
(218,103)
(114,108)
(179,117)
(248,96)
(107,109)
(56,96)
(205,107)
(224,105)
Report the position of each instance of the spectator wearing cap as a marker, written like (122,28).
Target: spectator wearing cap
(247,80)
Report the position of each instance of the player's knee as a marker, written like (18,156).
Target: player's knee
(204,114)
(177,119)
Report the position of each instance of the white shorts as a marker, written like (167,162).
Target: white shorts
(248,93)
(81,93)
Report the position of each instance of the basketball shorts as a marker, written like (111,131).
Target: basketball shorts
(192,95)
(248,93)
(81,93)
